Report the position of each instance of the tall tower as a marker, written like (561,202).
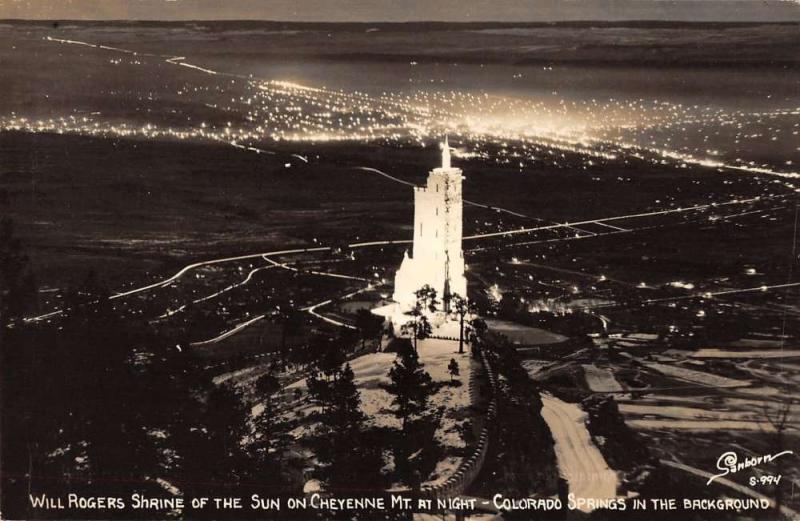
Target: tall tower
(437,258)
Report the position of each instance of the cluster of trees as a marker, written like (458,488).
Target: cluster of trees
(521,459)
(76,403)
(512,307)
(418,327)
(102,402)
(307,354)
(352,453)
(350,450)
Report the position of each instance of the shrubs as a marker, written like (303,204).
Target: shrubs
(621,446)
(521,460)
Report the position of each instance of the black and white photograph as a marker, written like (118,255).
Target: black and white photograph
(400,260)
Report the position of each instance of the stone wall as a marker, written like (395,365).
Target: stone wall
(471,465)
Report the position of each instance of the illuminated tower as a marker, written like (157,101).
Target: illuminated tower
(437,258)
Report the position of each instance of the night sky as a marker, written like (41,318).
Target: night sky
(405,10)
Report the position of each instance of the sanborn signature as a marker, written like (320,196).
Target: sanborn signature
(729,463)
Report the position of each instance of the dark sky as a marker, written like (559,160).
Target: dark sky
(405,10)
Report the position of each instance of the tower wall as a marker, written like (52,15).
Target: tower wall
(437,258)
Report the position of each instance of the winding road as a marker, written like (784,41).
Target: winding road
(368,244)
(579,461)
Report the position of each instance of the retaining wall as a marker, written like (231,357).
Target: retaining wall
(472,464)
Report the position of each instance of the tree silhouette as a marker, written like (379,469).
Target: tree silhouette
(410,385)
(477,332)
(426,297)
(269,435)
(348,452)
(461,307)
(267,384)
(330,363)
(291,320)
(117,391)
(106,400)
(24,434)
(102,387)
(419,326)
(452,368)
(211,443)
(416,451)
(369,326)
(327,371)
(225,422)
(348,338)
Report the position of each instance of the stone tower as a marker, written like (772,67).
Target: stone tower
(437,258)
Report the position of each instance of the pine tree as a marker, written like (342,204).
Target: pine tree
(225,421)
(210,443)
(452,368)
(369,326)
(419,326)
(291,321)
(477,332)
(346,448)
(267,384)
(411,386)
(426,298)
(102,388)
(269,437)
(346,401)
(330,363)
(461,307)
(265,423)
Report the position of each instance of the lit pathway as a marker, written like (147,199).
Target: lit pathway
(229,333)
(188,268)
(703,295)
(249,277)
(695,208)
(312,272)
(313,309)
(467,201)
(310,309)
(368,244)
